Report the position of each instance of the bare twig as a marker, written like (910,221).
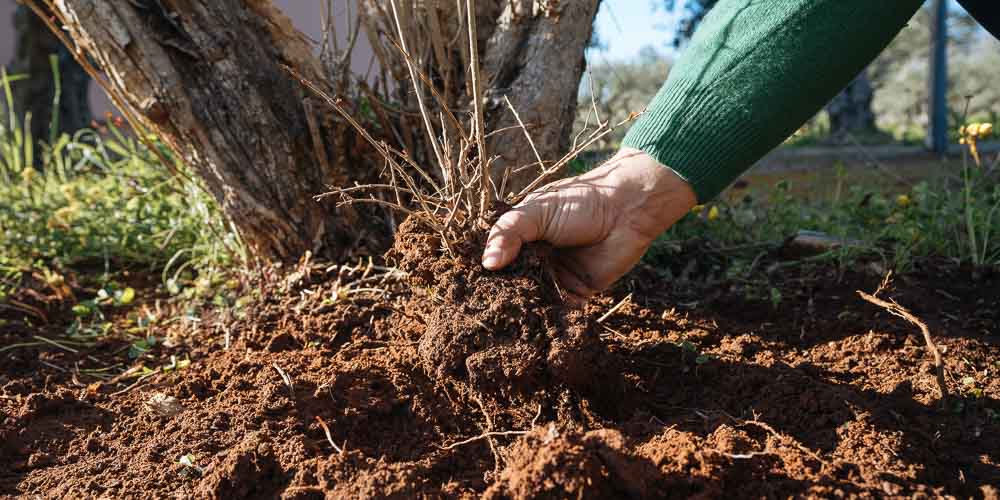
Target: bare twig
(895,309)
(285,378)
(477,101)
(56,344)
(137,382)
(531,142)
(329,438)
(605,316)
(548,172)
(483,436)
(431,135)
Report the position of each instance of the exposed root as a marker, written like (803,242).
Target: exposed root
(897,310)
(329,438)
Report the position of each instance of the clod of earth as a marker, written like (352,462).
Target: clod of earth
(507,332)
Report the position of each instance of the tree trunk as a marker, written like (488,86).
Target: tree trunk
(531,51)
(35,44)
(851,110)
(207,77)
(535,57)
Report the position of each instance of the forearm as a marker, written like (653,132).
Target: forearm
(754,72)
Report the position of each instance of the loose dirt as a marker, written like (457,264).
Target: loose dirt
(460,383)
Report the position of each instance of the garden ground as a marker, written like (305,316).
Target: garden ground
(318,389)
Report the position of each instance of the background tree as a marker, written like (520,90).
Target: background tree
(617,88)
(902,72)
(209,77)
(35,94)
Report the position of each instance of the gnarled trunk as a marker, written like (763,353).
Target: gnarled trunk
(535,57)
(207,76)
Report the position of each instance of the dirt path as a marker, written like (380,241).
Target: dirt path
(715,396)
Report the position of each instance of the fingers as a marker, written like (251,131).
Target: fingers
(515,228)
(574,287)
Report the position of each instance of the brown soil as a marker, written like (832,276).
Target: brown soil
(682,392)
(508,334)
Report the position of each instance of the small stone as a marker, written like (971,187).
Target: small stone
(164,405)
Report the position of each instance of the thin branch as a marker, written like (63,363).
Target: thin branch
(431,136)
(605,316)
(477,101)
(483,436)
(329,438)
(897,310)
(557,166)
(531,142)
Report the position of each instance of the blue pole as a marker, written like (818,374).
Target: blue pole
(938,85)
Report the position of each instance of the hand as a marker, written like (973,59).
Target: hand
(601,222)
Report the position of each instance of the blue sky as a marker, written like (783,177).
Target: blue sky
(626,26)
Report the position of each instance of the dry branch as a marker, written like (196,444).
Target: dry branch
(895,309)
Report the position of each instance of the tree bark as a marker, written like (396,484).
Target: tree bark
(531,51)
(206,76)
(535,57)
(35,44)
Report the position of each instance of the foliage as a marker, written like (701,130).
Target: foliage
(617,88)
(101,198)
(694,12)
(900,74)
(928,220)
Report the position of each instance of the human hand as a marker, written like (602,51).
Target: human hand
(600,222)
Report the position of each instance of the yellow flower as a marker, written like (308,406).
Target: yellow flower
(67,191)
(903,200)
(713,213)
(63,217)
(975,131)
(697,209)
(27,174)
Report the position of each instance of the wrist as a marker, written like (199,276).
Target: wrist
(651,196)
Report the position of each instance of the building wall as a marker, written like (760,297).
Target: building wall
(306,15)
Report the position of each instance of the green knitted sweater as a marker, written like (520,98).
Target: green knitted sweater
(753,73)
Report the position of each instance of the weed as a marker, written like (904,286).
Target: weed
(101,199)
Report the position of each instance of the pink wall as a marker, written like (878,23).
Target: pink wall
(307,16)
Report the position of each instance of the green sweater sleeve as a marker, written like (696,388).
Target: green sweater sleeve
(753,73)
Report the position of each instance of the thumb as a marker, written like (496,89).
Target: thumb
(515,228)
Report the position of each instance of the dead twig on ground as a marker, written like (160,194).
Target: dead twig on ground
(285,378)
(137,382)
(605,316)
(482,436)
(329,438)
(895,309)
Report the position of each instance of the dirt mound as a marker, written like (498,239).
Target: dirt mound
(316,392)
(504,332)
(548,464)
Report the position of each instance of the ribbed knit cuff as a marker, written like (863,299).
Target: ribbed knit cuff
(706,142)
(751,75)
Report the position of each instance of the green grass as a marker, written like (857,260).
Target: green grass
(901,213)
(896,224)
(101,200)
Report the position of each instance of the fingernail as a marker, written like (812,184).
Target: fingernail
(491,257)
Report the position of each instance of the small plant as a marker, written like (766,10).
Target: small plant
(978,225)
(102,197)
